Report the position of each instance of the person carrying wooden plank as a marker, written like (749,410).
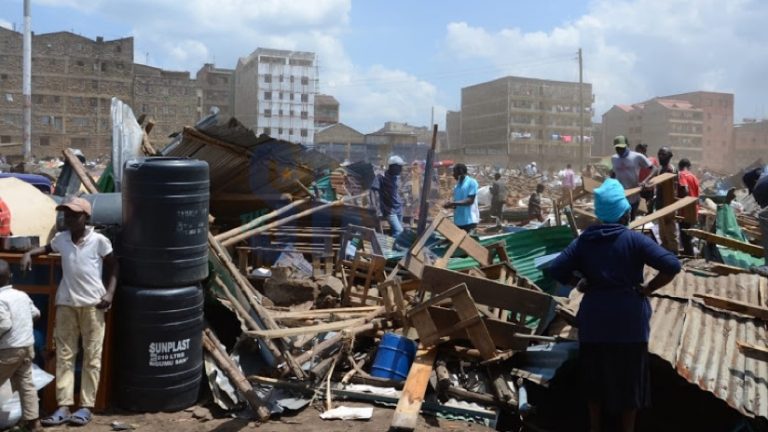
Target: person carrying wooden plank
(615,312)
(667,225)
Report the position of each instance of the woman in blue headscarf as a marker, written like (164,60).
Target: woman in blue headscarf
(615,313)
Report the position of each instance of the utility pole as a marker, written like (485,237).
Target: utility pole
(581,111)
(27,84)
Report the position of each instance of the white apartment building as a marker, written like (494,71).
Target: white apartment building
(274,94)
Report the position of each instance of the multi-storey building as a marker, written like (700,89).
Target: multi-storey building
(453,132)
(168,98)
(697,126)
(750,142)
(274,93)
(326,111)
(73,81)
(214,89)
(515,119)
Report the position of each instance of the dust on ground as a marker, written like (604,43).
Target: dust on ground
(300,422)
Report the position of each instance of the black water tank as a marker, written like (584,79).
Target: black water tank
(159,347)
(165,222)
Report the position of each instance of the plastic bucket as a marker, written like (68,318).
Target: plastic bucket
(394,357)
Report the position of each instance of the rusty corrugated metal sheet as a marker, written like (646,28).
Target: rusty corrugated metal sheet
(700,342)
(742,287)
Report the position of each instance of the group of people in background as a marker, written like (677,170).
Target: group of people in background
(635,169)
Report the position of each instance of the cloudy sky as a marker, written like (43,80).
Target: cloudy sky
(397,59)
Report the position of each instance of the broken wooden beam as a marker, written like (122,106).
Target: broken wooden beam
(406,414)
(214,348)
(80,171)
(758,312)
(666,211)
(260,229)
(728,242)
(754,351)
(260,220)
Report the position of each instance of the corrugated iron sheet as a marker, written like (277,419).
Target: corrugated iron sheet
(242,163)
(700,342)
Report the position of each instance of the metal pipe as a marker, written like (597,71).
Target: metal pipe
(27,83)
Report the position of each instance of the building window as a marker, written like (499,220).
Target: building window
(282,78)
(45,120)
(304,97)
(267,95)
(267,131)
(304,80)
(304,132)
(5,139)
(267,78)
(3,76)
(279,131)
(119,48)
(291,96)
(280,112)
(267,113)
(45,141)
(37,99)
(281,95)
(94,84)
(57,99)
(290,131)
(103,66)
(94,102)
(9,98)
(304,115)
(80,63)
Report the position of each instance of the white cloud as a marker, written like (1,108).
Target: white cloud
(6,24)
(634,50)
(184,35)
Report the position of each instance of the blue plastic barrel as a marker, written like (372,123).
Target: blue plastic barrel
(394,357)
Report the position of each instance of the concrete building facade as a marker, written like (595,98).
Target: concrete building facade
(517,120)
(214,89)
(73,81)
(326,111)
(274,94)
(453,131)
(697,126)
(168,98)
(750,142)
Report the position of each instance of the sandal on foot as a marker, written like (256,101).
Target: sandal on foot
(59,417)
(81,417)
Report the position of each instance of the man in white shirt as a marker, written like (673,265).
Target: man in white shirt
(626,169)
(81,301)
(17,346)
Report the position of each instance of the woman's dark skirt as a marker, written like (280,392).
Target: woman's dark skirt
(616,375)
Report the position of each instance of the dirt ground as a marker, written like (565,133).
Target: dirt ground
(309,417)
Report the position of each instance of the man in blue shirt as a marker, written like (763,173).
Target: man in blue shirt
(385,194)
(466,213)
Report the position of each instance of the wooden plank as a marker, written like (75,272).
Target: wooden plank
(730,243)
(582,212)
(668,210)
(80,171)
(298,331)
(478,334)
(754,351)
(725,269)
(322,313)
(488,292)
(656,181)
(407,412)
(590,184)
(758,312)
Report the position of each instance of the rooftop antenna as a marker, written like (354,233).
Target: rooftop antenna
(146,56)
